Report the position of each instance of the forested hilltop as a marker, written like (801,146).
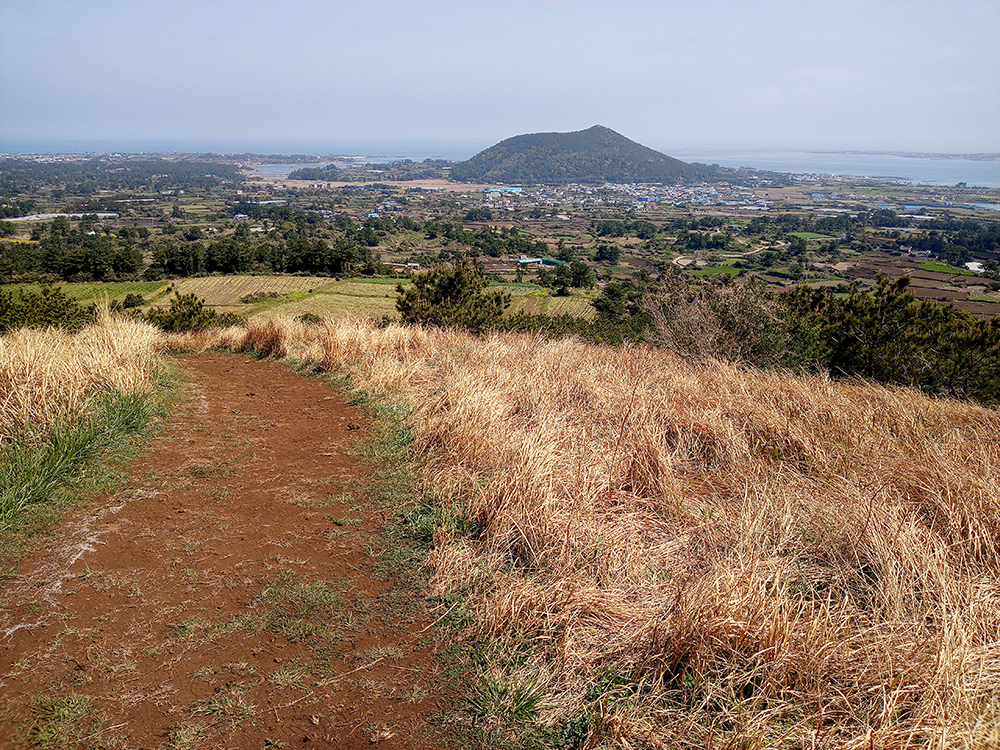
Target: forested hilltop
(596,155)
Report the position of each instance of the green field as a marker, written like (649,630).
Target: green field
(811,236)
(94,291)
(710,270)
(932,265)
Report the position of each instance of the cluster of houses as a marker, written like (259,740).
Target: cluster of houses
(639,197)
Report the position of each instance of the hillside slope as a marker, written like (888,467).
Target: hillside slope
(668,555)
(595,155)
(226,595)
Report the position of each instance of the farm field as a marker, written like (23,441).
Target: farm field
(711,270)
(945,268)
(930,281)
(300,295)
(224,292)
(371,298)
(114,291)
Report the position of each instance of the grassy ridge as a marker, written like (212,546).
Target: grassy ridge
(682,555)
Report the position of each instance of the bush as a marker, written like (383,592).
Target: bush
(188,313)
(725,320)
(452,296)
(889,336)
(49,306)
(249,299)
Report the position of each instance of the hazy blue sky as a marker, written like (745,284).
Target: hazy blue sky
(455,76)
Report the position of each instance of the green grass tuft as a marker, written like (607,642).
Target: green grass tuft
(38,473)
(62,723)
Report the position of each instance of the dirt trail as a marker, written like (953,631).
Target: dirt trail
(227,596)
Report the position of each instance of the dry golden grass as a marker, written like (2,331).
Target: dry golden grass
(50,376)
(701,556)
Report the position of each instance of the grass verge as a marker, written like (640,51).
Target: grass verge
(41,474)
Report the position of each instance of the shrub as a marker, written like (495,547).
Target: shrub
(49,306)
(188,313)
(452,296)
(724,320)
(889,336)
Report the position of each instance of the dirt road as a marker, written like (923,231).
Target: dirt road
(228,596)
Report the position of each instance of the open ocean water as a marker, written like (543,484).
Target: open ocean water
(918,170)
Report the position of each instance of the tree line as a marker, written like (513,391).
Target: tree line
(19,176)
(886,335)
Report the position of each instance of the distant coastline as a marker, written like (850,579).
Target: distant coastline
(917,155)
(882,165)
(978,170)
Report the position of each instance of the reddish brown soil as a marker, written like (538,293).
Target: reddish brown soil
(227,595)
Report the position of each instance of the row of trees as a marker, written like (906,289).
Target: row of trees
(25,176)
(886,335)
(294,255)
(94,257)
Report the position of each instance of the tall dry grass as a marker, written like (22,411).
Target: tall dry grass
(701,556)
(49,376)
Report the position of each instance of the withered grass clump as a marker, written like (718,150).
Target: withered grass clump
(50,376)
(701,555)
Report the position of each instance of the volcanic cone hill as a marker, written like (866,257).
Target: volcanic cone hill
(595,155)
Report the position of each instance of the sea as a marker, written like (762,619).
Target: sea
(919,170)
